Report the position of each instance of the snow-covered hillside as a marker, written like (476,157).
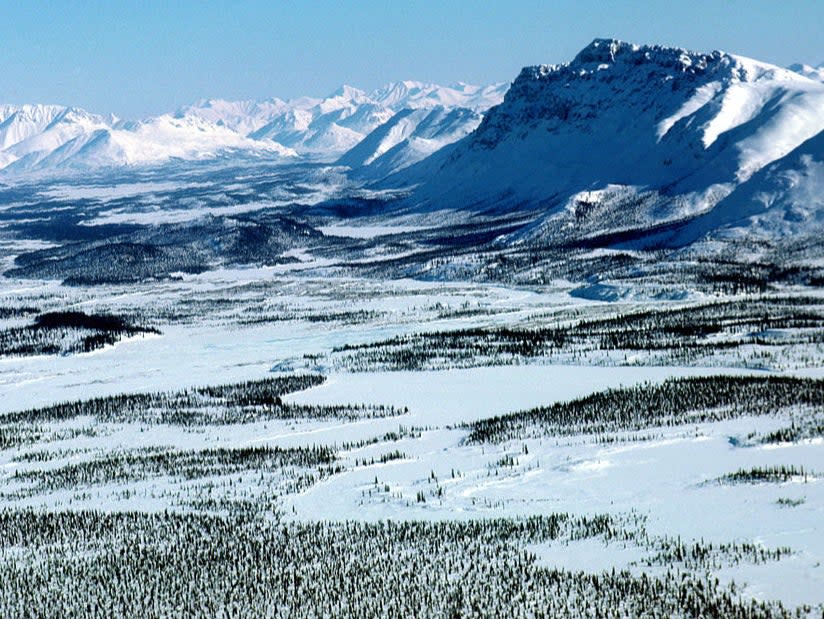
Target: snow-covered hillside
(784,199)
(670,132)
(411,135)
(428,117)
(18,123)
(35,131)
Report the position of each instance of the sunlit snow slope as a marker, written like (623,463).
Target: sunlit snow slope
(636,136)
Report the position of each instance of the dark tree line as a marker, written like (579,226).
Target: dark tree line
(673,402)
(767,474)
(141,253)
(67,333)
(686,331)
(15,311)
(128,466)
(244,402)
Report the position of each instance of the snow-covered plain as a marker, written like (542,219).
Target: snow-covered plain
(664,475)
(216,348)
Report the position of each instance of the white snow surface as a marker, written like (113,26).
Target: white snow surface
(665,474)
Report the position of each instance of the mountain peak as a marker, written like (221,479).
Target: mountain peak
(808,71)
(603,51)
(629,115)
(348,92)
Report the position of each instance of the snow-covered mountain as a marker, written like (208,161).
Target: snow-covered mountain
(410,94)
(38,131)
(625,141)
(77,140)
(427,118)
(42,138)
(411,135)
(814,73)
(783,199)
(18,123)
(339,122)
(243,117)
(326,127)
(626,137)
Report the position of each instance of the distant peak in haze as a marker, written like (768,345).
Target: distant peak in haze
(35,138)
(813,73)
(348,92)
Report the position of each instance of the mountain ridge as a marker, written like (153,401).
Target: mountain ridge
(314,128)
(672,132)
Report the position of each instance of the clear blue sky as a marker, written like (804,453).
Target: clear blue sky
(148,57)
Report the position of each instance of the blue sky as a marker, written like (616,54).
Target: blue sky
(142,58)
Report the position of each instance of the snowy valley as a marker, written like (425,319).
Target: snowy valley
(547,348)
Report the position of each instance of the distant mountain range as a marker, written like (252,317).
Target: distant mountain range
(44,138)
